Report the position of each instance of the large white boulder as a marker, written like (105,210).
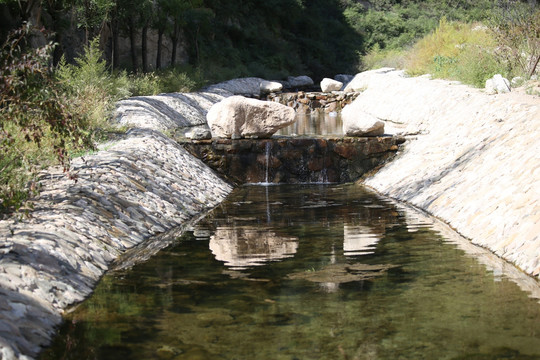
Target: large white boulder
(357,122)
(360,81)
(239,117)
(267,87)
(329,85)
(497,85)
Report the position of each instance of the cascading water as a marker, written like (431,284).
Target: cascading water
(323,177)
(268,148)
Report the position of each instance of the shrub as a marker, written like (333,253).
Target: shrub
(377,58)
(179,79)
(458,51)
(517,30)
(37,126)
(92,88)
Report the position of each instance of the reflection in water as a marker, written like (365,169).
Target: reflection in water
(297,293)
(359,240)
(241,247)
(314,123)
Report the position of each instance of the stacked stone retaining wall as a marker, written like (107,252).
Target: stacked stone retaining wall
(306,102)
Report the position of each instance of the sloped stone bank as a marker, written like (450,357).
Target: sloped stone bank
(474,161)
(140,186)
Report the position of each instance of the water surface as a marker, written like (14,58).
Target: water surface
(315,123)
(305,272)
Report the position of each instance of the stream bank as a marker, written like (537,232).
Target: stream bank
(473,159)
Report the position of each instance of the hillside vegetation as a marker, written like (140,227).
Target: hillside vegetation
(64,64)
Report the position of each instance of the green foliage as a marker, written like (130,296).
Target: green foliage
(458,51)
(378,58)
(393,24)
(37,126)
(277,38)
(517,30)
(92,89)
(175,79)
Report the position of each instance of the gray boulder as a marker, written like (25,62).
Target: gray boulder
(250,86)
(344,78)
(299,81)
(198,133)
(239,117)
(166,111)
(329,85)
(360,81)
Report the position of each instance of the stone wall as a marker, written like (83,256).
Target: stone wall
(305,102)
(473,161)
(294,160)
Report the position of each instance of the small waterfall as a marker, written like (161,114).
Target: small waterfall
(323,177)
(268,146)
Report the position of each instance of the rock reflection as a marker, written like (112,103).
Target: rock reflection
(242,247)
(359,240)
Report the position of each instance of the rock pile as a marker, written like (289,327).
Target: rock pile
(304,102)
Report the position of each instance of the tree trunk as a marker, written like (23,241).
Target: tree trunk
(197,46)
(144,48)
(115,51)
(133,46)
(174,40)
(159,45)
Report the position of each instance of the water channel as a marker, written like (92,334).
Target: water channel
(306,272)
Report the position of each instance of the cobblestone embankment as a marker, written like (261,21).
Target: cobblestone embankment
(140,186)
(474,161)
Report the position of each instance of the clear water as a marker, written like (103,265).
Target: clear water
(315,123)
(305,272)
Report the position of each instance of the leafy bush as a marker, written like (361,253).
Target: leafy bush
(464,52)
(378,58)
(179,79)
(475,64)
(517,31)
(37,125)
(92,88)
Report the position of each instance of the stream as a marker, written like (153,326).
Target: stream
(305,272)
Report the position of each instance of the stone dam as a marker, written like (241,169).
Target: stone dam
(294,160)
